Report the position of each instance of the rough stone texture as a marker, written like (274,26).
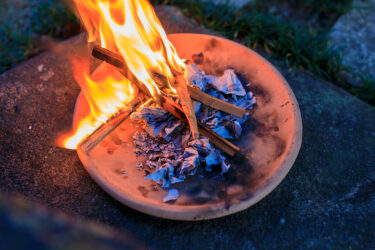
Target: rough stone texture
(327,200)
(354,35)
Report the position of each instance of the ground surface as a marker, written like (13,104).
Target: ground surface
(327,200)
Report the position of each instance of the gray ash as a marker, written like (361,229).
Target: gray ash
(172,154)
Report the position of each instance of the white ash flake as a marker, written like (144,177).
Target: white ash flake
(46,76)
(172,153)
(40,67)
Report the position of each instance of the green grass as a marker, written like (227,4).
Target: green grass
(22,21)
(299,47)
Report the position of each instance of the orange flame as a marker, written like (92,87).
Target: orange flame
(131,28)
(107,93)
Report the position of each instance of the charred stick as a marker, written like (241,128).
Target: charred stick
(195,93)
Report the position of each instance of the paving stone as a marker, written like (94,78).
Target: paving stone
(24,225)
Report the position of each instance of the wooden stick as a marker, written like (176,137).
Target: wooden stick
(220,142)
(195,93)
(109,57)
(186,104)
(215,103)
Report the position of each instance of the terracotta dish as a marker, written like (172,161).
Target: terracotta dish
(269,144)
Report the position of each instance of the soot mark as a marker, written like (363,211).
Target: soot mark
(214,186)
(280,146)
(212,67)
(115,139)
(228,204)
(260,129)
(143,191)
(198,58)
(266,132)
(247,196)
(110,150)
(244,81)
(213,43)
(195,190)
(261,93)
(154,187)
(285,104)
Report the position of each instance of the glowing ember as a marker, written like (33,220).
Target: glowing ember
(131,28)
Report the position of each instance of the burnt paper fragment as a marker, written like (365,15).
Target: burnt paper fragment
(213,159)
(223,132)
(228,83)
(156,119)
(196,77)
(171,196)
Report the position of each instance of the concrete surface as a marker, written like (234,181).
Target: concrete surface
(326,201)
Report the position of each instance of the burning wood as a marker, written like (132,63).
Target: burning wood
(186,104)
(195,93)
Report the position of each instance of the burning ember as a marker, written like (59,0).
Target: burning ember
(149,83)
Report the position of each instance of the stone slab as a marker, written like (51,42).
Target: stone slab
(354,35)
(326,201)
(25,225)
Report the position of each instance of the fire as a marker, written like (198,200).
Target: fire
(131,28)
(108,92)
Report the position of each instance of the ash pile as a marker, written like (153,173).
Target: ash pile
(172,153)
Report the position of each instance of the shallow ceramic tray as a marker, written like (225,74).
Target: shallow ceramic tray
(269,145)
